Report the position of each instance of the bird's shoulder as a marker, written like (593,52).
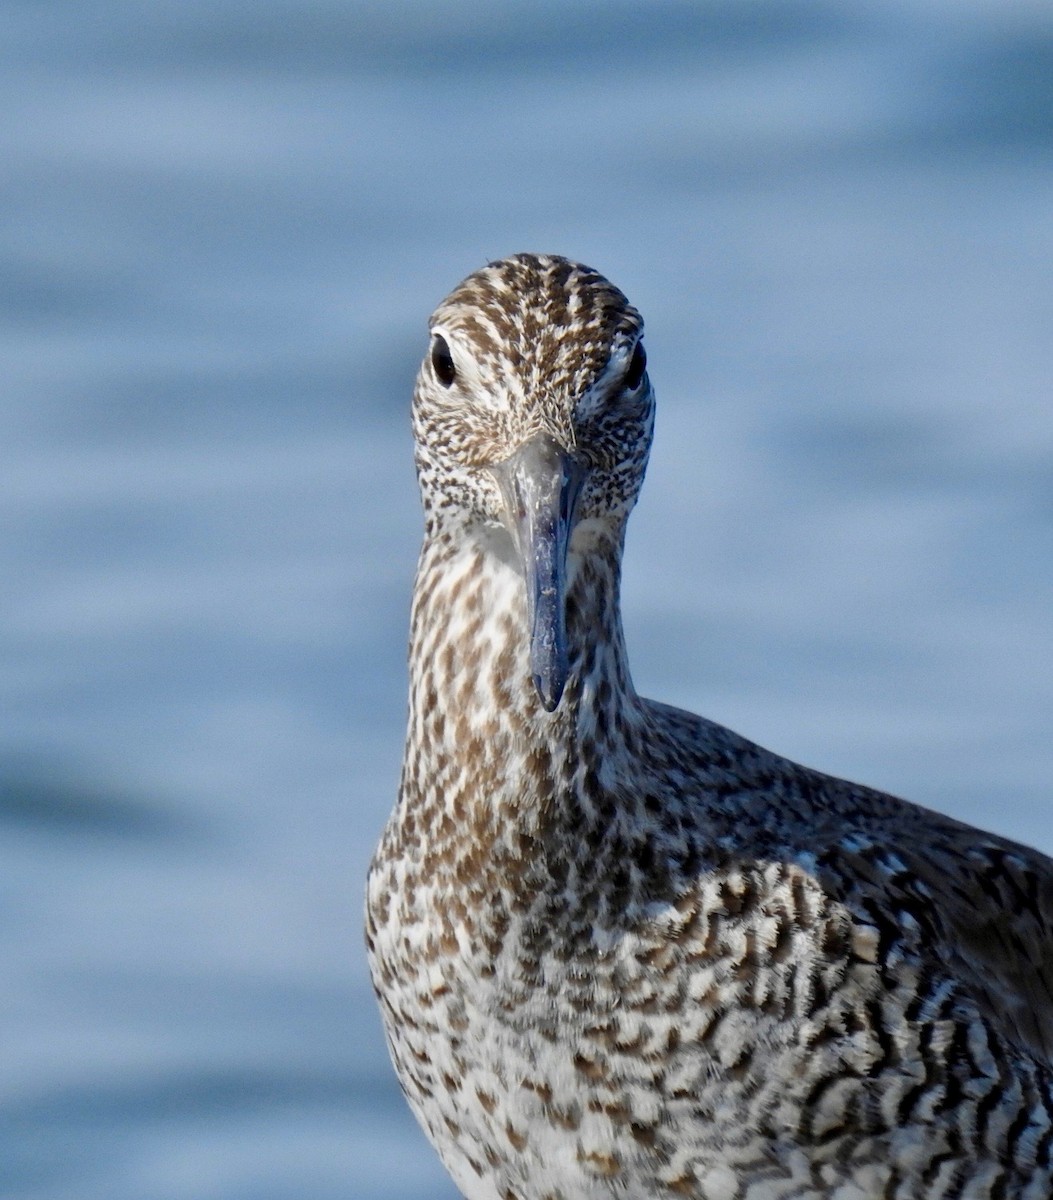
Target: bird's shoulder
(968,905)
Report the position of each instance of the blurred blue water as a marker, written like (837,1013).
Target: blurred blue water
(225,225)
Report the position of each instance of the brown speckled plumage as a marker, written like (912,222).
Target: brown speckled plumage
(620,951)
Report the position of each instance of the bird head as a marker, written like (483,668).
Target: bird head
(533,413)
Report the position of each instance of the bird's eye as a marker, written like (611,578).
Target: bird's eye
(637,365)
(442,361)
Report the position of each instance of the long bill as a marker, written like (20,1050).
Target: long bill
(540,484)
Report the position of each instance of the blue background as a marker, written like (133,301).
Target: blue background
(224,226)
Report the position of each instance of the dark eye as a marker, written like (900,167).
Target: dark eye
(442,361)
(637,365)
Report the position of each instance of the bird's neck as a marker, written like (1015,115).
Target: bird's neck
(474,709)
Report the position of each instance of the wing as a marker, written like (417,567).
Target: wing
(984,904)
(997,901)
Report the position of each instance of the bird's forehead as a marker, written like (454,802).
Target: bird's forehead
(539,317)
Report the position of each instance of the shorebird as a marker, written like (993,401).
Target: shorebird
(621,951)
